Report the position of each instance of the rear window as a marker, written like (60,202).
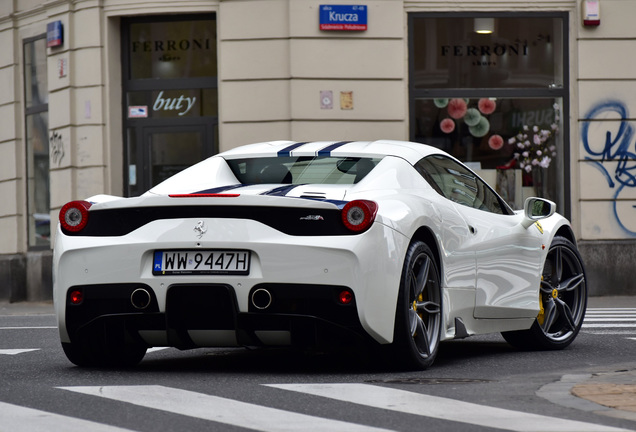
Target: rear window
(302,170)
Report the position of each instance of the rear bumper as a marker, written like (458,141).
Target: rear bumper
(369,264)
(206,315)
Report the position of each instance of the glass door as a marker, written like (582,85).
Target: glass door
(158,152)
(169,70)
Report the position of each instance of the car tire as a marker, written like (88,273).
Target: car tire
(563,297)
(93,356)
(418,320)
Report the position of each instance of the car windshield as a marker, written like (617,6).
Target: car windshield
(302,169)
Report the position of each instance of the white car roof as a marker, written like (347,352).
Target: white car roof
(412,152)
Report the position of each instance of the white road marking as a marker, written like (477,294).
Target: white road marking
(28,328)
(610,321)
(608,325)
(611,310)
(220,410)
(443,408)
(154,349)
(17,351)
(16,418)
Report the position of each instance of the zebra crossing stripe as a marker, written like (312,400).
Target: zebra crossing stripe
(17,351)
(443,408)
(221,410)
(17,418)
(610,321)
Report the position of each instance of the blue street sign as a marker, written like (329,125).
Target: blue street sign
(343,17)
(54,34)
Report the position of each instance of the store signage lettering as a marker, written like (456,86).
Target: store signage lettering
(343,17)
(171,45)
(483,50)
(182,105)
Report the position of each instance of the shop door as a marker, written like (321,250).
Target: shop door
(164,151)
(170,100)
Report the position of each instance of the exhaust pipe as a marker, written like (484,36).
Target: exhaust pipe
(261,299)
(140,298)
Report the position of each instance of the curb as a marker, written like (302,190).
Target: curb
(584,392)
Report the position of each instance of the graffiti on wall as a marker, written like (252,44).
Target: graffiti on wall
(56,144)
(614,155)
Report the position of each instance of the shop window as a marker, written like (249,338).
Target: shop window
(173,49)
(491,91)
(37,143)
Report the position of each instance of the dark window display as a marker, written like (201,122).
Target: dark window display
(497,134)
(173,49)
(491,90)
(487,52)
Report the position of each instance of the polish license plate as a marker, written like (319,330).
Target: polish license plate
(188,262)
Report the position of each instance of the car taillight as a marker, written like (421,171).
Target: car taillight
(74,215)
(76,297)
(345,297)
(358,215)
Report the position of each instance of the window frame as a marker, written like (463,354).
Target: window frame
(33,110)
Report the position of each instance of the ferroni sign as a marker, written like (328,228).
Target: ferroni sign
(343,17)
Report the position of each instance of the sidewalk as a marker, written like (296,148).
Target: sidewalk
(27,308)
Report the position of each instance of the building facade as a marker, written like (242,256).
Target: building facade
(107,96)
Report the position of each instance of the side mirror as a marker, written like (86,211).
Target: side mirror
(536,209)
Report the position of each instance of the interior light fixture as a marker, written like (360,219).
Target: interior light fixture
(484,25)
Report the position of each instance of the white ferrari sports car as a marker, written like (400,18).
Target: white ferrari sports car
(393,244)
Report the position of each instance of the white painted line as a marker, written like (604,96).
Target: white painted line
(16,418)
(609,319)
(443,408)
(28,328)
(611,332)
(154,349)
(608,325)
(17,351)
(221,410)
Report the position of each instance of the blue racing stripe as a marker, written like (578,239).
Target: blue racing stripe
(327,150)
(287,150)
(281,190)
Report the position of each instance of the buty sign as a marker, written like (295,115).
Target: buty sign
(343,17)
(181,105)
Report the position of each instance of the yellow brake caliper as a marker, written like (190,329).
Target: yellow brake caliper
(419,298)
(541,315)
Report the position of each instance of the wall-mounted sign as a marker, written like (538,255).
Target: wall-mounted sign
(343,17)
(138,111)
(54,34)
(346,100)
(62,67)
(326,99)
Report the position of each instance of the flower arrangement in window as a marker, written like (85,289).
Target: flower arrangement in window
(474,117)
(534,146)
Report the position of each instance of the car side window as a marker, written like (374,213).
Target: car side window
(457,183)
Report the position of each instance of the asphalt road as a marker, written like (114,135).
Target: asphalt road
(476,384)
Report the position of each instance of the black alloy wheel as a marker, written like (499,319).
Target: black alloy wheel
(419,310)
(563,300)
